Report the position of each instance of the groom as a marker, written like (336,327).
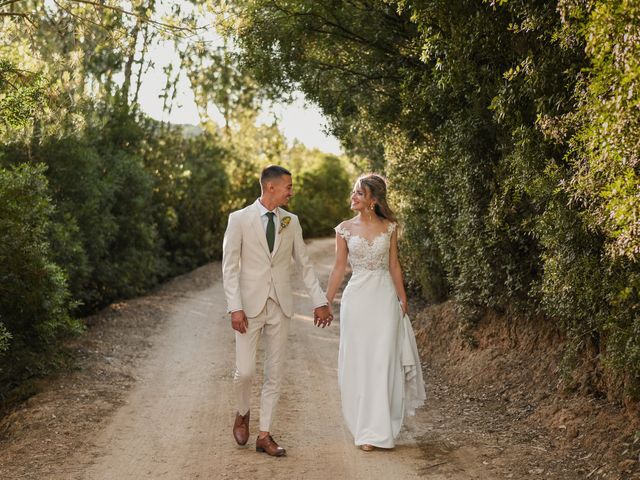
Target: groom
(259,244)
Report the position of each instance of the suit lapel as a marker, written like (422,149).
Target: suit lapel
(258,228)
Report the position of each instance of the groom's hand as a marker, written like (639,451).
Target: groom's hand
(239,321)
(322,316)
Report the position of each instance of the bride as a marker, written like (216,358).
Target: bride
(379,370)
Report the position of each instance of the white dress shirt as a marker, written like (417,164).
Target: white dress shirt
(265,219)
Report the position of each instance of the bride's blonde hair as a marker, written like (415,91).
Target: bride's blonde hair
(376,185)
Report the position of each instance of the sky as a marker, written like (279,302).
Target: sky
(300,120)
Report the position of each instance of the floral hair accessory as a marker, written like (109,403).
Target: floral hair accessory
(284,223)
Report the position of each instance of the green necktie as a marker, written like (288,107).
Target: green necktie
(271,231)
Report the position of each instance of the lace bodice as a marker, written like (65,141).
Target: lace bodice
(366,255)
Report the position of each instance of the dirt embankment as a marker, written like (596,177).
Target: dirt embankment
(513,371)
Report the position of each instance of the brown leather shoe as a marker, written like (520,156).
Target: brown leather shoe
(241,428)
(269,446)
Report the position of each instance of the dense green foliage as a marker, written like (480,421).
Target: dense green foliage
(509,130)
(190,198)
(34,300)
(322,199)
(107,237)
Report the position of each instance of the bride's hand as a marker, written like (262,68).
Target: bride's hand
(405,307)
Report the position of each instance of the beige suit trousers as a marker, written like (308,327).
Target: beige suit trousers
(274,325)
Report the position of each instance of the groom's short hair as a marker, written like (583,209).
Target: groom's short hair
(271,173)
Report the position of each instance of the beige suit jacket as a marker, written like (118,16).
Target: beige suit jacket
(249,270)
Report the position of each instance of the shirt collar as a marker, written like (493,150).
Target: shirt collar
(264,211)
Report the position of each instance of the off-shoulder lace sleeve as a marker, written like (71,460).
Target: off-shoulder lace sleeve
(343,232)
(391,228)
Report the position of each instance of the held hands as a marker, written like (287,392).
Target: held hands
(322,316)
(239,321)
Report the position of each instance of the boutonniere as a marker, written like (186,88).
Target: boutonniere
(284,223)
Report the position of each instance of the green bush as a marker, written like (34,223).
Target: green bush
(132,259)
(105,234)
(591,271)
(412,185)
(322,195)
(83,223)
(34,298)
(191,197)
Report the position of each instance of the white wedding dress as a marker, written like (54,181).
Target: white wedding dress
(379,370)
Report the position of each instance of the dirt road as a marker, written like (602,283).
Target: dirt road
(152,398)
(176,421)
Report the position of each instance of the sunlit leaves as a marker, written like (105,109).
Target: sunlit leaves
(21,96)
(606,148)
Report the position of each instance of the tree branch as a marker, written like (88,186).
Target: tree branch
(99,5)
(345,33)
(9,2)
(78,17)
(144,18)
